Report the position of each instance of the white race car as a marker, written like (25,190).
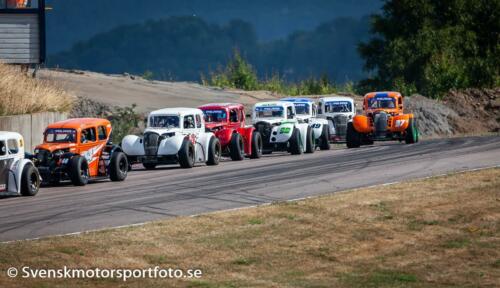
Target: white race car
(306,111)
(280,128)
(338,111)
(18,176)
(173,135)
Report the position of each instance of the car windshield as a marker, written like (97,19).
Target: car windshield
(60,136)
(269,112)
(215,115)
(385,102)
(302,108)
(164,121)
(338,107)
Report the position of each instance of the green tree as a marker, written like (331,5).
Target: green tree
(433,46)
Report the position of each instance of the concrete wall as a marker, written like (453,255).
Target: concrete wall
(30,126)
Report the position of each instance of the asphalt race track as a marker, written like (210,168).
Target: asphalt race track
(171,191)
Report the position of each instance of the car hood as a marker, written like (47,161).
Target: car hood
(161,131)
(55,146)
(272,121)
(214,125)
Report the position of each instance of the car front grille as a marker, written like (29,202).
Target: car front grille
(151,142)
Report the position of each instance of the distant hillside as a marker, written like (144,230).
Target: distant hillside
(75,20)
(182,48)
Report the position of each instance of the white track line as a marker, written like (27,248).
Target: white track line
(248,207)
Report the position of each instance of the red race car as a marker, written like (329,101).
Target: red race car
(227,122)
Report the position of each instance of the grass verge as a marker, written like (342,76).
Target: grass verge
(437,232)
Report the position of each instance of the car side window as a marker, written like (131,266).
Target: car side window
(198,121)
(88,135)
(13,146)
(101,131)
(289,112)
(3,148)
(233,115)
(189,122)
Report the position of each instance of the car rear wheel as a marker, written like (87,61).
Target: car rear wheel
(214,151)
(237,147)
(79,171)
(186,154)
(325,138)
(30,181)
(257,145)
(411,133)
(118,167)
(310,145)
(353,137)
(296,147)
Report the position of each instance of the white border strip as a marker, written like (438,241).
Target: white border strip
(247,207)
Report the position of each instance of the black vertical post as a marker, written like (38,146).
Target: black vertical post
(41,19)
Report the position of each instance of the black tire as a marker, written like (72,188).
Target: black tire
(149,166)
(118,167)
(325,138)
(353,137)
(411,133)
(79,171)
(295,142)
(30,181)
(186,154)
(310,145)
(257,145)
(236,147)
(214,151)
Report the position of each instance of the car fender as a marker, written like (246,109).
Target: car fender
(202,144)
(171,145)
(246,133)
(317,125)
(281,133)
(15,174)
(400,122)
(361,124)
(132,145)
(224,136)
(303,133)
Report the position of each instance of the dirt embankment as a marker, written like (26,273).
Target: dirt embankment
(472,111)
(478,110)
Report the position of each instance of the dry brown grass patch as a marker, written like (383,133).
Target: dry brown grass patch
(437,232)
(21,94)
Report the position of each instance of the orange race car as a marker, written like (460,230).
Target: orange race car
(79,150)
(383,119)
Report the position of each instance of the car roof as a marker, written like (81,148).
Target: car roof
(220,105)
(337,98)
(274,103)
(5,135)
(79,123)
(383,94)
(176,111)
(297,100)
